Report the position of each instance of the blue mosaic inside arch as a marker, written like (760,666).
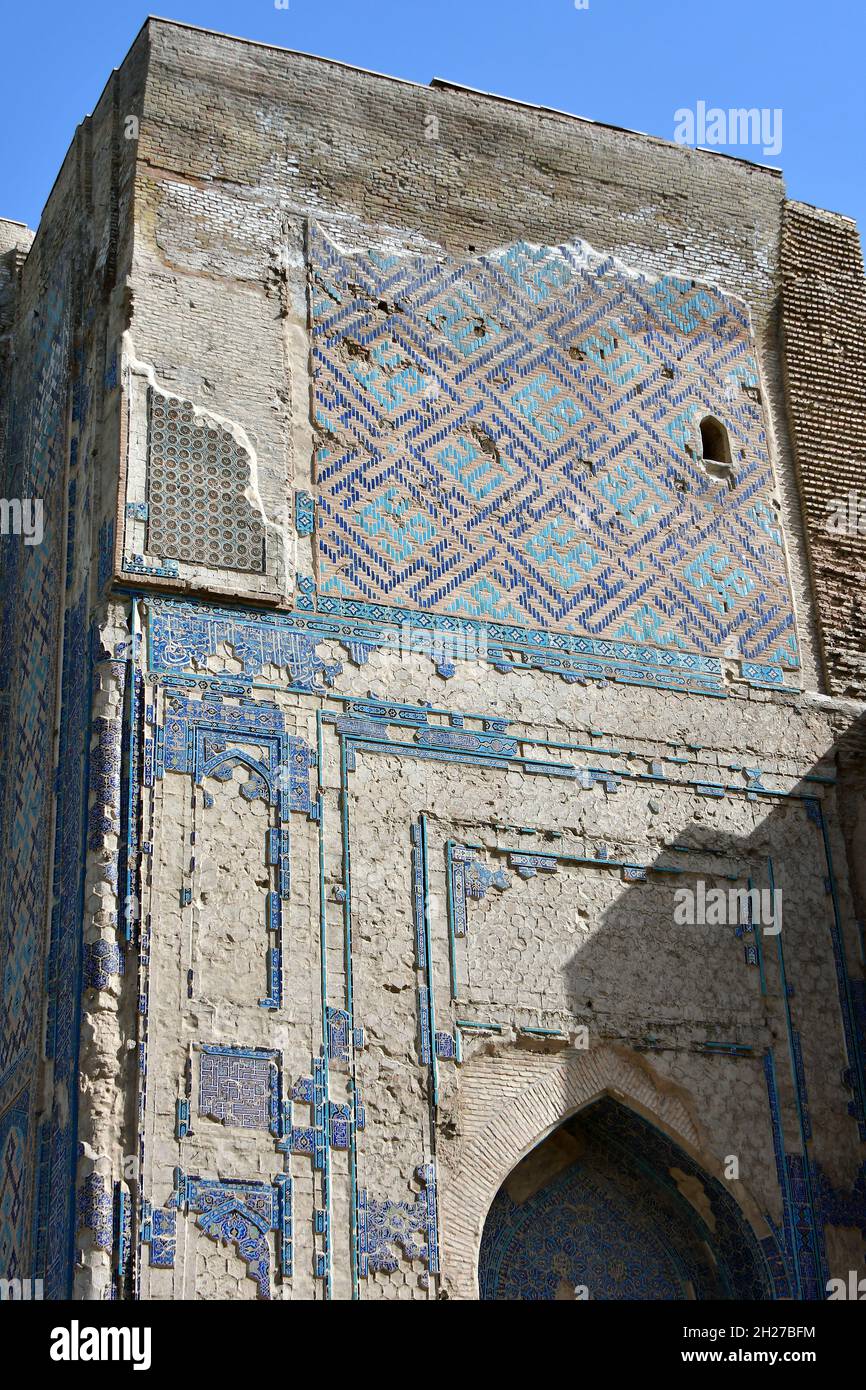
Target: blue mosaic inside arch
(243,1214)
(612,1222)
(515,439)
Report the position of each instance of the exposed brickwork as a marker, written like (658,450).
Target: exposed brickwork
(522,1098)
(276,137)
(824,328)
(425,907)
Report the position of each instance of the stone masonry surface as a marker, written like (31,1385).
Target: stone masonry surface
(412,652)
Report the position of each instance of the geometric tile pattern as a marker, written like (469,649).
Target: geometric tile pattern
(102,961)
(94,1209)
(238,1086)
(385,1224)
(13,1156)
(412,1225)
(163,1239)
(605,1247)
(244,1213)
(196,476)
(207,738)
(57,1134)
(515,438)
(35,591)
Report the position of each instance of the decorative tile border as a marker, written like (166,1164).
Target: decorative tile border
(183,631)
(243,1213)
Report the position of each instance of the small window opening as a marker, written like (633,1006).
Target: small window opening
(716,451)
(714,441)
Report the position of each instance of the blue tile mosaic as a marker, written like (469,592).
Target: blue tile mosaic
(536,462)
(243,1214)
(614,1225)
(240,1086)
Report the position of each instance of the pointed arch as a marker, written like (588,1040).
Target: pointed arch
(523,1098)
(609,1207)
(221,764)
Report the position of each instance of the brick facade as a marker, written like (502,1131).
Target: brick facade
(428,658)
(823,331)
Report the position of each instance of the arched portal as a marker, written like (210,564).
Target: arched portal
(609,1207)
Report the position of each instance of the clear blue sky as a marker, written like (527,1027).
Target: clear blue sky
(632,63)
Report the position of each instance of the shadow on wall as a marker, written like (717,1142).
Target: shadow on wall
(761,1019)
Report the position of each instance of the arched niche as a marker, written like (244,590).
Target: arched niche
(512,1099)
(609,1207)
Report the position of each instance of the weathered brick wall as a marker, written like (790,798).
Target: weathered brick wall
(276,879)
(678,1023)
(824,331)
(260,139)
(60,443)
(240,149)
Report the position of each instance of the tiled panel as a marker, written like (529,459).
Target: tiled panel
(197,473)
(34,1211)
(515,438)
(238,1086)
